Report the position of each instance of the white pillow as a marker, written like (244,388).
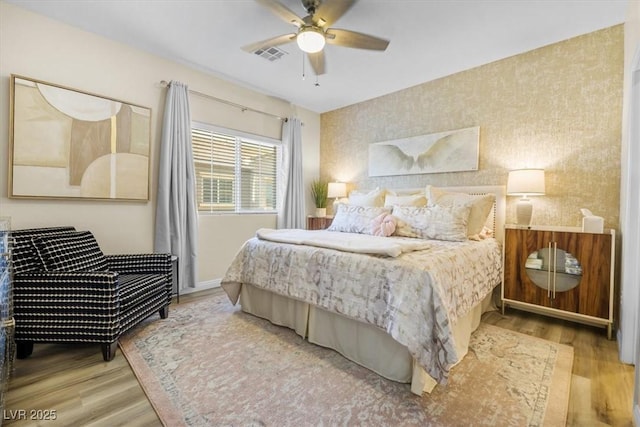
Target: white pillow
(356,219)
(480,205)
(432,222)
(372,198)
(408,200)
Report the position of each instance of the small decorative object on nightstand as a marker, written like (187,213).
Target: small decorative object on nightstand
(560,271)
(318,223)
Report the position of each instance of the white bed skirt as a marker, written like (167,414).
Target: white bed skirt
(362,343)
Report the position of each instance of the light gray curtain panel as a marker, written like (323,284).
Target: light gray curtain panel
(176,229)
(291,213)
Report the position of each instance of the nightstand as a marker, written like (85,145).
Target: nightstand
(561,272)
(318,223)
(175,271)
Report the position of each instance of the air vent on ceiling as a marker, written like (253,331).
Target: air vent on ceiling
(270,53)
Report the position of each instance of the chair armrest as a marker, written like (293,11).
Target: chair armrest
(157,263)
(77,288)
(78,280)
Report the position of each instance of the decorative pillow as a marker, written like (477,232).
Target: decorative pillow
(77,251)
(480,205)
(24,257)
(432,222)
(373,198)
(408,200)
(383,225)
(356,219)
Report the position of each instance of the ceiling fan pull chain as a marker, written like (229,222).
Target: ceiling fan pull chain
(303,60)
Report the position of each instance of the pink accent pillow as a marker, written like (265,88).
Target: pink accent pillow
(383,225)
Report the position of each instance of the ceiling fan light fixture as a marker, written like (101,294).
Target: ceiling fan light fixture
(310,39)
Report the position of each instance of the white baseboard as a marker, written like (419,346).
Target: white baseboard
(209,284)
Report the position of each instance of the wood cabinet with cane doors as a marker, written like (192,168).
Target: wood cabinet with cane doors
(560,271)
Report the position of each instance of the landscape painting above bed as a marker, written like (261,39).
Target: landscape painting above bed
(407,313)
(450,151)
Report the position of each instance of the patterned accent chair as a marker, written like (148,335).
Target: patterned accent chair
(66,290)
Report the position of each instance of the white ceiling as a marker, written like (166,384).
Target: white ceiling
(429,39)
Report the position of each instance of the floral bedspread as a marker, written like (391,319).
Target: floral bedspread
(415,297)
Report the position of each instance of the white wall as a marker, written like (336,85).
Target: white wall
(629,185)
(629,206)
(38,47)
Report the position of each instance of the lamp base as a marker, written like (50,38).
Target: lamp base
(524,209)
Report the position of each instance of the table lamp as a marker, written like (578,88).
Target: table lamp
(525,182)
(336,190)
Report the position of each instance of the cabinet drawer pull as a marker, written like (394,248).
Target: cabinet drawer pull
(555,267)
(549,275)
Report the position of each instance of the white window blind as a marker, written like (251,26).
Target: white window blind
(234,173)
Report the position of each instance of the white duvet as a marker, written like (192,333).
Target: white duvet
(347,242)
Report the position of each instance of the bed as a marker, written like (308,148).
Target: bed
(402,306)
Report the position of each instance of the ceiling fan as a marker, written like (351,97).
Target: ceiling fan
(314,30)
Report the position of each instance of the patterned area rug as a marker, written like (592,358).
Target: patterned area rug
(209,364)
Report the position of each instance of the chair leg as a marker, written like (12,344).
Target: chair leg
(164,312)
(109,351)
(24,349)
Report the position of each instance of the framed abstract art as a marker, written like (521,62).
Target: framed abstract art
(65,143)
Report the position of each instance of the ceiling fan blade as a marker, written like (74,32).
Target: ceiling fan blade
(354,39)
(317,62)
(273,41)
(282,11)
(330,11)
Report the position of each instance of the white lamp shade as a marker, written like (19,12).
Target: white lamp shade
(526,182)
(337,189)
(310,40)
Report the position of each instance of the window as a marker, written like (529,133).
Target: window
(234,172)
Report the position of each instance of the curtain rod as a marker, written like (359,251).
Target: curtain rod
(244,108)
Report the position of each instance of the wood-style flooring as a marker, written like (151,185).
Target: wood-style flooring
(76,387)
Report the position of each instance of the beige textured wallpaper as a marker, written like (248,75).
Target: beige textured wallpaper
(558,108)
